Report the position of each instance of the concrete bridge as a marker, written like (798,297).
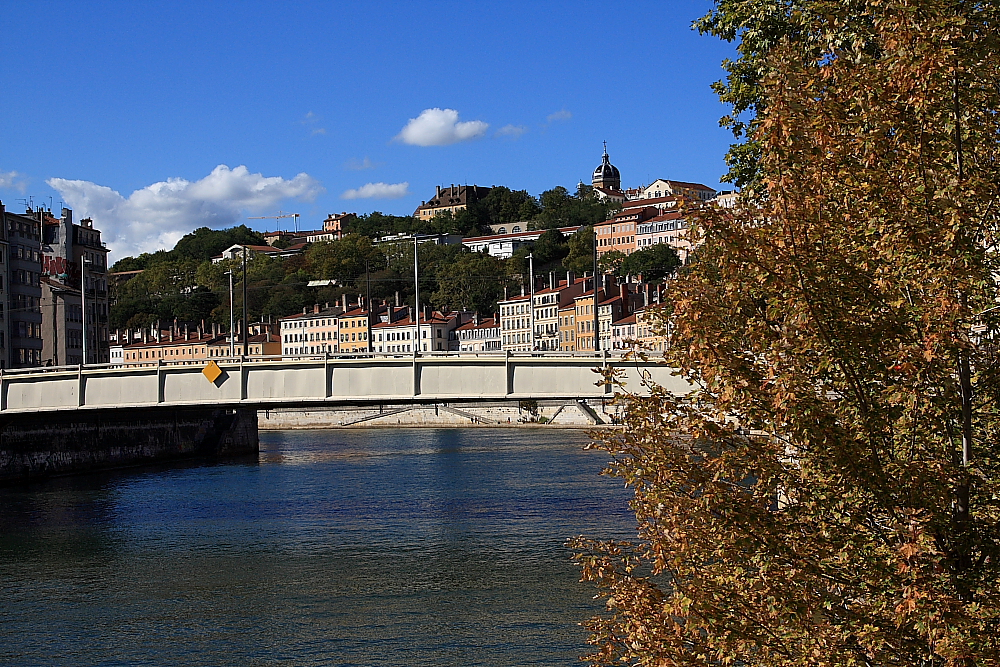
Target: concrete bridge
(271,383)
(67,420)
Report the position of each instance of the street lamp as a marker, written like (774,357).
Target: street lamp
(597,338)
(416,294)
(232,317)
(531,298)
(246,330)
(85,261)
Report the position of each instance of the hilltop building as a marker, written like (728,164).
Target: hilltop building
(455,198)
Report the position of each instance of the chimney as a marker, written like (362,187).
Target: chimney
(315,309)
(438,189)
(343,301)
(397,298)
(172,333)
(552,280)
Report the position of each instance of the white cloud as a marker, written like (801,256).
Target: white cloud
(12,180)
(319,130)
(378,191)
(158,215)
(559,115)
(440,127)
(362,165)
(512,131)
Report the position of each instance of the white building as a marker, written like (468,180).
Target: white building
(480,335)
(505,245)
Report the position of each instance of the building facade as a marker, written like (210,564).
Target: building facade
(452,200)
(24,234)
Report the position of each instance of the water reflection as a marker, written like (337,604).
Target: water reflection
(381,547)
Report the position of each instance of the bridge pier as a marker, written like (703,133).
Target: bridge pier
(35,446)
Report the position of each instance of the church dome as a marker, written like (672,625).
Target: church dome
(606,175)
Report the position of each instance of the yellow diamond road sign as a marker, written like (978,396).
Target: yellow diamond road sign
(211,371)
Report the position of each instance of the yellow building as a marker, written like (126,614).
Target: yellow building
(567,328)
(355,330)
(168,346)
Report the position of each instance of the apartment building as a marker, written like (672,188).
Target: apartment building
(315,331)
(24,234)
(396,332)
(480,335)
(567,327)
(74,256)
(623,333)
(547,303)
(650,329)
(356,329)
(515,323)
(169,345)
(5,296)
(670,228)
(62,323)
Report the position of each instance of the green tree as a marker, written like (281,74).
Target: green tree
(473,281)
(829,494)
(612,262)
(654,263)
(759,26)
(580,258)
(550,249)
(204,243)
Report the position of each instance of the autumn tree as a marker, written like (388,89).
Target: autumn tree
(828,494)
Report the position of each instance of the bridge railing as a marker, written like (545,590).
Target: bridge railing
(348,379)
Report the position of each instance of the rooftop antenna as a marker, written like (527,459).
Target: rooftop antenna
(281,214)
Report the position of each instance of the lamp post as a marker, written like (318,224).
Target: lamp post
(597,337)
(232,318)
(84,261)
(531,298)
(246,331)
(416,294)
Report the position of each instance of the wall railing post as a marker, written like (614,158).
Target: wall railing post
(416,376)
(327,376)
(243,379)
(159,380)
(508,374)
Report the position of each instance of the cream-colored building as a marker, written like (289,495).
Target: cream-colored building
(451,200)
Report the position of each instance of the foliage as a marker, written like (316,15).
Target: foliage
(612,262)
(560,208)
(472,281)
(810,502)
(654,263)
(580,259)
(760,25)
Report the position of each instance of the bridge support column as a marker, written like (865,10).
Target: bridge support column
(34,446)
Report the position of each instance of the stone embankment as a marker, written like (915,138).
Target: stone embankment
(42,445)
(446,415)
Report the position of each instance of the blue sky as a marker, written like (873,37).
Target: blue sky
(155,118)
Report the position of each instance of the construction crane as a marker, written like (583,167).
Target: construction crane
(281,214)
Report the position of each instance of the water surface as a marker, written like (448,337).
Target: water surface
(371,547)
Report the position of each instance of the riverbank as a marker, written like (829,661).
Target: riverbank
(546,414)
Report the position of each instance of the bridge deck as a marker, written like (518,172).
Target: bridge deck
(268,383)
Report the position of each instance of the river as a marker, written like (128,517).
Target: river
(377,547)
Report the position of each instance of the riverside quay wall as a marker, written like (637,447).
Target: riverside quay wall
(35,446)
